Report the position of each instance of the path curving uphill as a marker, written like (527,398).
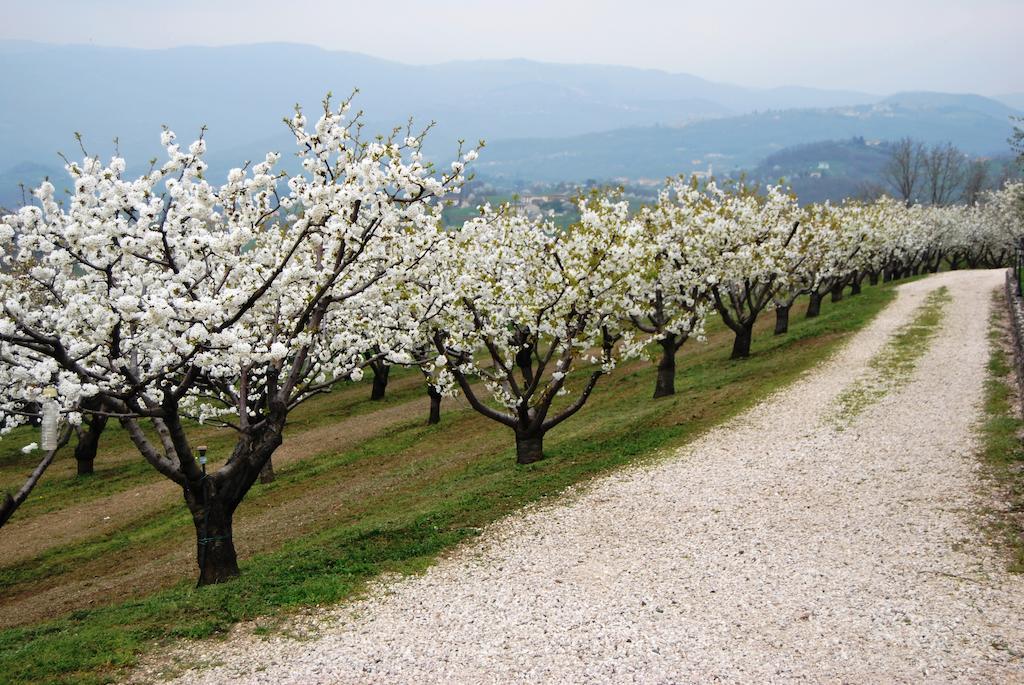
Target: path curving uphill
(781,546)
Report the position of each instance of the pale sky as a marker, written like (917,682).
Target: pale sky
(878,46)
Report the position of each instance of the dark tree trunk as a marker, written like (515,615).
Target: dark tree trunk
(781,319)
(666,381)
(529,447)
(741,344)
(212,501)
(813,305)
(837,291)
(380,380)
(856,278)
(435,405)
(215,547)
(88,444)
(267,472)
(873,278)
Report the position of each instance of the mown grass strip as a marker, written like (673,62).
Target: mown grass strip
(443,500)
(893,365)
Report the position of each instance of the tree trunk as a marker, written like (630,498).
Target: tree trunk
(524,360)
(88,444)
(380,380)
(212,500)
(529,448)
(666,381)
(435,406)
(267,472)
(837,291)
(781,319)
(813,306)
(856,278)
(873,278)
(215,547)
(741,345)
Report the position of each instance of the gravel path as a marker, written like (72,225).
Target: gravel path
(772,549)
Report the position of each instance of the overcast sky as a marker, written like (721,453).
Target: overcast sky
(879,46)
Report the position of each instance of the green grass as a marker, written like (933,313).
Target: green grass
(1001,432)
(56,491)
(424,490)
(893,365)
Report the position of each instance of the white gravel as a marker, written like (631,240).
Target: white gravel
(773,549)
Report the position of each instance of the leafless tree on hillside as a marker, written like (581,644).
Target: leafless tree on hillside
(975,181)
(943,166)
(903,170)
(1016,140)
(869,191)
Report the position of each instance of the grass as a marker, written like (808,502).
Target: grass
(393,503)
(893,365)
(126,469)
(1001,430)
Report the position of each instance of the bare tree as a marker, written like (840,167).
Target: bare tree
(975,181)
(903,171)
(944,170)
(869,191)
(1016,141)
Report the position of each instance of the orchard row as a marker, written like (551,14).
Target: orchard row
(164,299)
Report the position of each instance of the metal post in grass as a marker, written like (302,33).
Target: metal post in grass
(203,538)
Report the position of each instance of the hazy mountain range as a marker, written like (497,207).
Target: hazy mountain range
(543,121)
(977,125)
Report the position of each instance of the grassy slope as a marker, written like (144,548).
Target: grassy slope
(397,500)
(1002,449)
(119,467)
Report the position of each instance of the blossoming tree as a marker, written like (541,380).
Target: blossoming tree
(752,237)
(673,301)
(528,304)
(169,299)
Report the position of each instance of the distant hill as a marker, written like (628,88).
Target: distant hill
(1015,100)
(977,125)
(17,182)
(837,169)
(542,121)
(927,101)
(241,92)
(825,170)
